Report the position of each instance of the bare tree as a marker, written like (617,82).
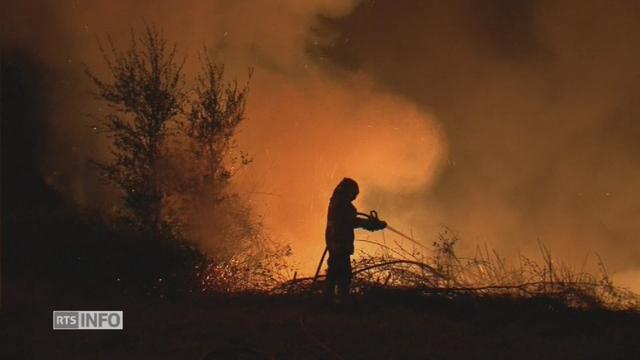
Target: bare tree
(217,108)
(146,93)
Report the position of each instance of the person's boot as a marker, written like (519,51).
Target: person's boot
(329,292)
(343,294)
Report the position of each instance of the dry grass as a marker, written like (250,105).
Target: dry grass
(485,274)
(253,270)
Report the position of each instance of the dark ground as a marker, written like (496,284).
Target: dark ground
(376,326)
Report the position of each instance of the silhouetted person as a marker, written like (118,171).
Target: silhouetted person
(342,219)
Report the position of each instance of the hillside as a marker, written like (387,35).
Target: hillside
(382,324)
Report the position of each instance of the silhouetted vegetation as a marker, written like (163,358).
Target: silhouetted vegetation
(206,158)
(145,94)
(174,154)
(440,270)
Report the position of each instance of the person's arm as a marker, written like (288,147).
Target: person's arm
(359,222)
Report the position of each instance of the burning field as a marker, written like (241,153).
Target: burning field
(180,163)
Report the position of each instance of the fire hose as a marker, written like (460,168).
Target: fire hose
(373,215)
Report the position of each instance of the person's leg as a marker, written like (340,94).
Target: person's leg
(330,288)
(344,282)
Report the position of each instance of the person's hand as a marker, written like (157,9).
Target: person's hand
(375,224)
(378,225)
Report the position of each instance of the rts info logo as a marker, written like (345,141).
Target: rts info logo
(87,320)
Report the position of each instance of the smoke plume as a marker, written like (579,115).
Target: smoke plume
(539,103)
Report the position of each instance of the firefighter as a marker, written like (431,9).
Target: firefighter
(342,219)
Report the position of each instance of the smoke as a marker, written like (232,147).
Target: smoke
(320,131)
(307,127)
(539,102)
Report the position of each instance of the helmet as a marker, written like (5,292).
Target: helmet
(347,188)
